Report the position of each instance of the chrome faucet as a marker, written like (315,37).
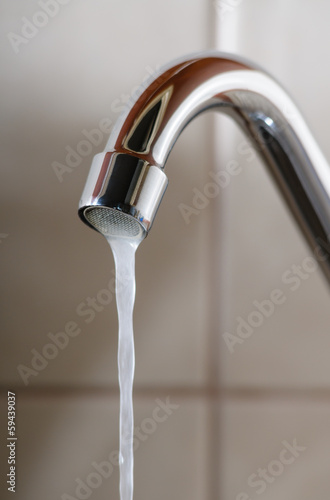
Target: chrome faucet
(126,182)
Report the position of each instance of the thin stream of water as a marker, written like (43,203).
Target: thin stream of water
(124,255)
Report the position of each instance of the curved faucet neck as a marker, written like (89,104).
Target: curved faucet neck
(150,126)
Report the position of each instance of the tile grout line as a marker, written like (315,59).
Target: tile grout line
(209,393)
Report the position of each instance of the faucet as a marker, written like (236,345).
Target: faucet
(126,182)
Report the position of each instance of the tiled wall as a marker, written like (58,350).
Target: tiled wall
(75,72)
(232,413)
(277,381)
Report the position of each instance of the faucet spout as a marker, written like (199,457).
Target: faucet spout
(126,182)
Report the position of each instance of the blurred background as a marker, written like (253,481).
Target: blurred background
(243,422)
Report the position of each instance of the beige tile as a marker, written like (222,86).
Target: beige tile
(271,344)
(289,348)
(255,433)
(49,274)
(172,287)
(62,441)
(51,263)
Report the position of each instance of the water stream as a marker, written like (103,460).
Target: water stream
(124,254)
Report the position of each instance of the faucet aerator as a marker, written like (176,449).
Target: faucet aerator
(122,195)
